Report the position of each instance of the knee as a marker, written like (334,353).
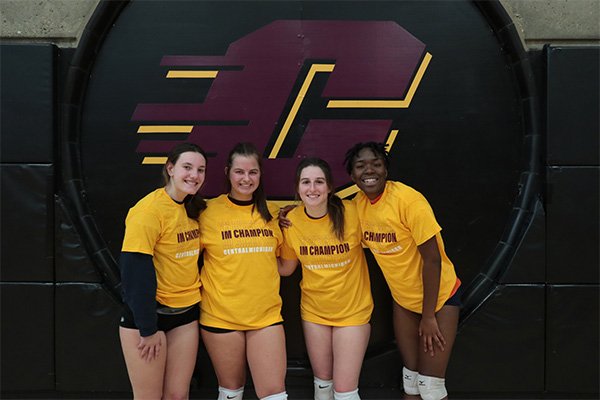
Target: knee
(176,395)
(432,388)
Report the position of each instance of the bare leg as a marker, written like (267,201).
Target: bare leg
(146,377)
(406,327)
(447,318)
(181,360)
(319,345)
(267,359)
(349,347)
(406,330)
(227,353)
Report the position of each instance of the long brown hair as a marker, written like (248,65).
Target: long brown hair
(335,205)
(194,204)
(259,197)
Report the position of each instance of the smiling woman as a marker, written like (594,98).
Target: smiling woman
(414,263)
(241,309)
(158,329)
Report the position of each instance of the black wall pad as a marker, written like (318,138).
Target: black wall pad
(72,263)
(27,103)
(500,348)
(572,224)
(529,262)
(573,105)
(27,222)
(27,340)
(572,347)
(88,351)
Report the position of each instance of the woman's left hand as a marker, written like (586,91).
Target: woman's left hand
(431,335)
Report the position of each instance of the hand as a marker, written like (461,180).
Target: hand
(431,336)
(149,346)
(284,222)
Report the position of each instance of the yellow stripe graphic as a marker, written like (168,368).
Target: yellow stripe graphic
(391,139)
(165,128)
(386,103)
(297,103)
(347,192)
(154,160)
(192,74)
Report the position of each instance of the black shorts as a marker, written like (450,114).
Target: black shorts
(456,298)
(212,329)
(165,322)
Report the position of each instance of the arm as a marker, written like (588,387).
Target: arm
(428,327)
(286,267)
(138,278)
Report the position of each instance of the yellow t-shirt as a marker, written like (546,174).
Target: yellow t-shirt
(240,281)
(392,228)
(335,285)
(160,227)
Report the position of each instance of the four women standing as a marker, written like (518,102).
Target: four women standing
(241,323)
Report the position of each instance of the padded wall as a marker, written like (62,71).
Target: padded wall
(573,105)
(27,340)
(27,127)
(27,103)
(572,221)
(88,356)
(27,222)
(572,345)
(500,348)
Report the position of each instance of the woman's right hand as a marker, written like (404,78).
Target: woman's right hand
(149,346)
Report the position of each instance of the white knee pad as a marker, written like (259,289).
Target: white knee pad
(230,394)
(276,396)
(353,395)
(432,388)
(409,381)
(323,389)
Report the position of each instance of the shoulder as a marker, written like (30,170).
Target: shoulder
(215,202)
(273,208)
(151,204)
(404,193)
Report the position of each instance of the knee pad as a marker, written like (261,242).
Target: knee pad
(276,396)
(323,389)
(353,395)
(432,388)
(409,381)
(230,394)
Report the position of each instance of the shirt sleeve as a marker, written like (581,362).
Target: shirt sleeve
(142,231)
(421,220)
(138,280)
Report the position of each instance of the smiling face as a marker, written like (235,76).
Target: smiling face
(244,177)
(314,190)
(186,176)
(369,173)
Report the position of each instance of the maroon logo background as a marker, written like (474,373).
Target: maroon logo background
(257,80)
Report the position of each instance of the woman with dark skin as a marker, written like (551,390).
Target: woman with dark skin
(401,231)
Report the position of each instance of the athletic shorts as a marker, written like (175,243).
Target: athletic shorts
(221,330)
(168,318)
(456,298)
